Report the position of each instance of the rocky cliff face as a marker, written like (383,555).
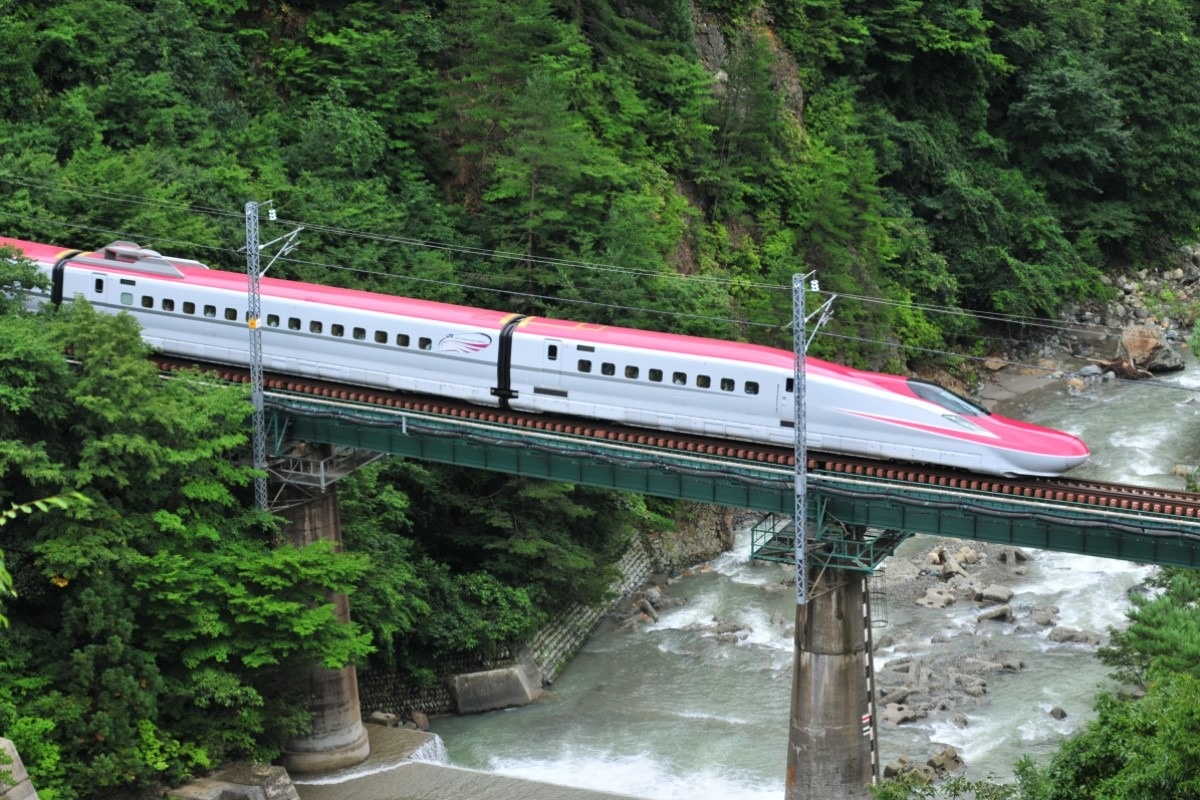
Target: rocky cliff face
(703,532)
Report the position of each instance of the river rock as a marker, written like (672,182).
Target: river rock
(898,714)
(904,766)
(936,597)
(979,665)
(994,593)
(945,761)
(1002,613)
(951,568)
(1058,713)
(1014,555)
(1147,347)
(1044,615)
(1073,636)
(967,555)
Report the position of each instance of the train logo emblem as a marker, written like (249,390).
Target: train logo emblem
(464,343)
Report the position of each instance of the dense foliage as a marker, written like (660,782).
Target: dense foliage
(668,164)
(661,164)
(155,616)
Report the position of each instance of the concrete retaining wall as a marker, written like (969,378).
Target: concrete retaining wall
(18,786)
(549,651)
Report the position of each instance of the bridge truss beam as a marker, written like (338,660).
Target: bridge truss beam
(889,509)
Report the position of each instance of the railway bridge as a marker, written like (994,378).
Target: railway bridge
(858,512)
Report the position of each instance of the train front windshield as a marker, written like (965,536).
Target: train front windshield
(947,399)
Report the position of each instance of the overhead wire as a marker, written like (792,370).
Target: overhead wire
(1016,320)
(1006,319)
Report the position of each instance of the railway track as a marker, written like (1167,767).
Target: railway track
(1065,489)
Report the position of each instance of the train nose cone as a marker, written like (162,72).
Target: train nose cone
(1074,451)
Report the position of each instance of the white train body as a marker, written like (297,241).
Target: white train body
(669,382)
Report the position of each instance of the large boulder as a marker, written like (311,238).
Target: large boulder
(994,593)
(936,597)
(1063,635)
(1147,347)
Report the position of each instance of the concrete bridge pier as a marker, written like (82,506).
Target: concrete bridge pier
(830,738)
(338,738)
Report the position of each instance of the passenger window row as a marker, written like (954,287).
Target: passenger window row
(273,321)
(678,378)
(425,343)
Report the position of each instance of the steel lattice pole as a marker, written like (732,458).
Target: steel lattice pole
(800,520)
(253,319)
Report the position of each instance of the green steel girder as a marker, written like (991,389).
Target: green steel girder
(888,510)
(519,451)
(1005,519)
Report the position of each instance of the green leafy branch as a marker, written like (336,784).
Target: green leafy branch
(64,500)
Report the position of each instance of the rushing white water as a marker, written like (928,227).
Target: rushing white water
(676,711)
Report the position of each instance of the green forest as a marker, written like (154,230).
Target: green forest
(955,172)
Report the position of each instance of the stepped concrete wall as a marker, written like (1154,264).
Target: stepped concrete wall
(17,785)
(511,677)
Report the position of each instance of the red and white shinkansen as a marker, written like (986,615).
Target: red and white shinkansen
(670,382)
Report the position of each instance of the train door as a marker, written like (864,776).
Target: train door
(553,355)
(100,290)
(787,404)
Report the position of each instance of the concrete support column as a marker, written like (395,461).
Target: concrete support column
(338,738)
(828,753)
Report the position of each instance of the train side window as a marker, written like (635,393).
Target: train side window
(585,365)
(190,308)
(147,301)
(360,334)
(210,311)
(272,319)
(126,298)
(679,378)
(337,329)
(293,323)
(703,381)
(168,304)
(552,353)
(608,369)
(402,340)
(631,372)
(791,385)
(232,315)
(315,326)
(99,286)
(381,337)
(425,343)
(656,375)
(751,387)
(726,384)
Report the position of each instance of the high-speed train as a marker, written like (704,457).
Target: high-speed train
(670,382)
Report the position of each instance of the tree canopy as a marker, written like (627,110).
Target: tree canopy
(661,164)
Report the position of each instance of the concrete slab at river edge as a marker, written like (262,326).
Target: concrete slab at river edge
(388,775)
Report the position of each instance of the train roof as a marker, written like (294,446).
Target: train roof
(45,253)
(110,259)
(194,273)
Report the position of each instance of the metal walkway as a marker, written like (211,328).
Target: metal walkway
(858,520)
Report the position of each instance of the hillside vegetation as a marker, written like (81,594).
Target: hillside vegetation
(952,170)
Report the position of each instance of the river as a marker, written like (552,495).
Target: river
(674,713)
